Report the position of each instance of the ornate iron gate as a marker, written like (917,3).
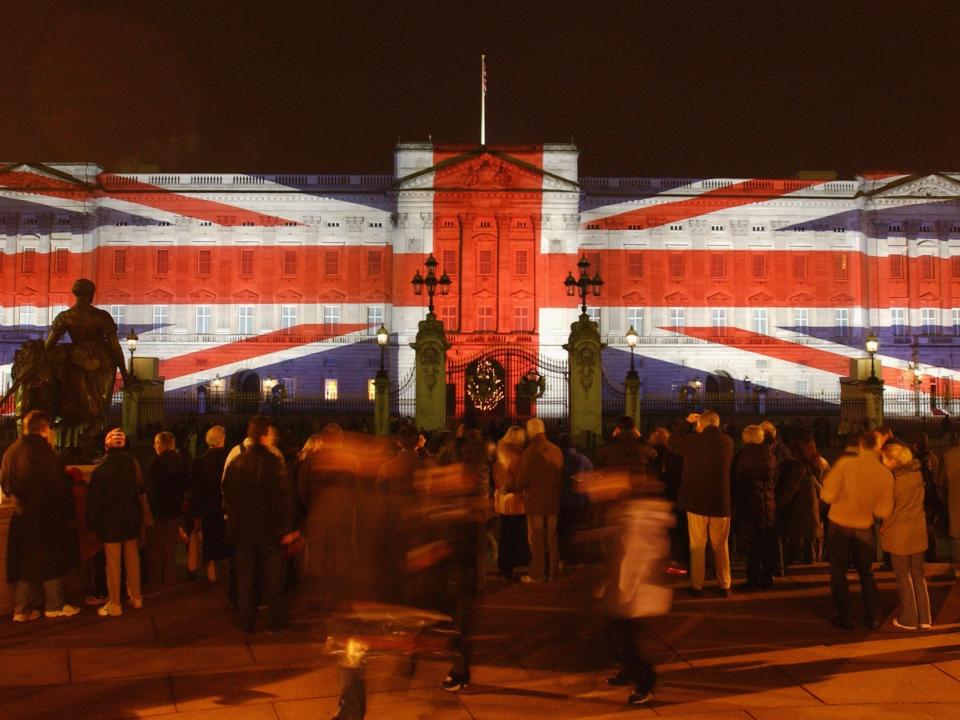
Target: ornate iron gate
(510,383)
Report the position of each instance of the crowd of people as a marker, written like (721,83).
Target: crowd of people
(415,520)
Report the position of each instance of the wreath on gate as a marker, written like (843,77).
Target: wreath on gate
(532,385)
(484,386)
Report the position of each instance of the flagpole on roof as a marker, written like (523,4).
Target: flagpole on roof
(483,99)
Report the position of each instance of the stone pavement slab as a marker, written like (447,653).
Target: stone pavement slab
(77,701)
(843,683)
(44,667)
(903,711)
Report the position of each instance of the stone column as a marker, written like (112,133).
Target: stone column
(632,397)
(586,392)
(430,349)
(381,404)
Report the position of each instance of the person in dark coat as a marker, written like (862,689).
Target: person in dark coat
(169,478)
(206,499)
(258,511)
(115,515)
(39,543)
(754,480)
(705,495)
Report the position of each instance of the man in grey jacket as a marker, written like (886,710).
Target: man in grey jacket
(541,479)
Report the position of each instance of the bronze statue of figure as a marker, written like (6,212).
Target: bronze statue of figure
(72,381)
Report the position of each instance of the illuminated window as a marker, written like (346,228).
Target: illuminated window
(520,263)
(245,319)
(929,320)
(718,266)
(118,313)
(161,261)
(289,266)
(928,267)
(204,315)
(374,318)
(521,319)
(801,320)
(485,262)
(898,321)
(897,267)
(842,322)
(119,261)
(718,321)
(204,262)
(331,262)
(60,259)
(371,389)
(840,266)
(331,318)
(329,389)
(760,321)
(448,262)
(758,265)
(676,265)
(635,319)
(485,318)
(161,316)
(246,262)
(635,264)
(676,319)
(799,267)
(374,263)
(288,317)
(448,316)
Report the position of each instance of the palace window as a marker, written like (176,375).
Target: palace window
(161,317)
(204,315)
(485,262)
(161,261)
(955,267)
(331,318)
(372,389)
(289,265)
(928,267)
(246,262)
(718,321)
(521,265)
(801,320)
(956,321)
(898,321)
(60,259)
(676,228)
(799,267)
(718,266)
(331,262)
(635,319)
(448,262)
(929,320)
(448,316)
(204,262)
(118,313)
(374,318)
(635,264)
(485,318)
(897,267)
(676,265)
(330,389)
(801,386)
(25,315)
(374,263)
(760,321)
(119,261)
(842,322)
(840,266)
(676,319)
(594,314)
(521,319)
(758,265)
(245,319)
(288,317)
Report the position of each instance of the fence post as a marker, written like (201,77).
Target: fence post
(586,384)
(430,350)
(632,397)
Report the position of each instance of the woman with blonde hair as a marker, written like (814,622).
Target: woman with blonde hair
(904,535)
(508,503)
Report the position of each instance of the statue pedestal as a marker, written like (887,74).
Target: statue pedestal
(632,397)
(431,359)
(586,394)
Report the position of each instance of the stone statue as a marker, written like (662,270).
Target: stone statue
(72,381)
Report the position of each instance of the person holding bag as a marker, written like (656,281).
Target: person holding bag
(513,549)
(114,514)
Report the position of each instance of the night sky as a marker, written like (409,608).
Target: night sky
(644,88)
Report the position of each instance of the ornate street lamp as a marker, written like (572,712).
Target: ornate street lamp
(872,344)
(632,338)
(132,339)
(917,375)
(430,282)
(584,284)
(383,337)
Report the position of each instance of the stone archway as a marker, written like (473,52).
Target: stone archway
(719,382)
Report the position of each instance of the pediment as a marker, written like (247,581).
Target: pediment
(290,295)
(34,174)
(116,297)
(635,298)
(331,296)
(484,294)
(929,297)
(245,294)
(26,292)
(159,296)
(202,294)
(760,298)
(376,296)
(934,185)
(676,298)
(521,294)
(484,169)
(802,298)
(841,299)
(720,298)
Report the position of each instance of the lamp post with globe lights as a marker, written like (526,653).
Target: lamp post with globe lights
(132,339)
(430,282)
(381,389)
(872,345)
(584,285)
(632,383)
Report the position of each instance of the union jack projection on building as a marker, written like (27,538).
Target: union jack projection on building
(248,277)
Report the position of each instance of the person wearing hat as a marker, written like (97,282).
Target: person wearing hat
(114,514)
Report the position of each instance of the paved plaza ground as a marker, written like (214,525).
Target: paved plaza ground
(767,656)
